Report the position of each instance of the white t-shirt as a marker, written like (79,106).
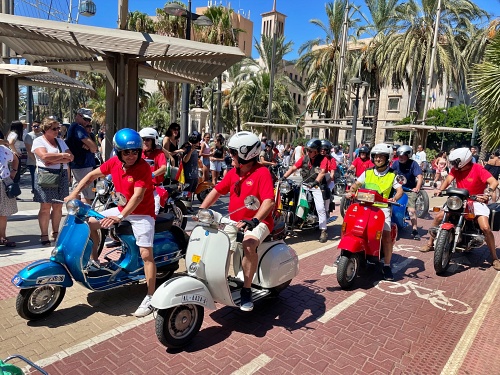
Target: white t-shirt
(297,152)
(6,156)
(420,157)
(19,144)
(42,142)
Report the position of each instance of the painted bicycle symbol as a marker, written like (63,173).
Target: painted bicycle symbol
(434,296)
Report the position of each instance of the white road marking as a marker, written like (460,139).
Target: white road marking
(458,356)
(329,270)
(319,250)
(332,313)
(405,247)
(253,366)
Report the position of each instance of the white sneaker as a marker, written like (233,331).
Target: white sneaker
(145,308)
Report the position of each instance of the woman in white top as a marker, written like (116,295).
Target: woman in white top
(15,137)
(50,153)
(8,206)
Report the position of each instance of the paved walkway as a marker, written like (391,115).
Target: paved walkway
(419,324)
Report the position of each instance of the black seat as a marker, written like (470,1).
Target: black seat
(278,233)
(163,223)
(457,191)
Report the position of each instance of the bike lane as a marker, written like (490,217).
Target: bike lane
(315,327)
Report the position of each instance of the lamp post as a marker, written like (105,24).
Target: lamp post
(212,92)
(356,82)
(442,134)
(177,10)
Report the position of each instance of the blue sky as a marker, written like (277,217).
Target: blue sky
(298,12)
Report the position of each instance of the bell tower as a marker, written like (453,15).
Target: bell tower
(272,19)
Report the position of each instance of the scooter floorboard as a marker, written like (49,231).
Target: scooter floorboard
(256,295)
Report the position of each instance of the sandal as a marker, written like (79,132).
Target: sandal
(54,235)
(427,248)
(5,242)
(46,242)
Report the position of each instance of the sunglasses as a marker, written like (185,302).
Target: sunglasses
(130,152)
(35,126)
(233,152)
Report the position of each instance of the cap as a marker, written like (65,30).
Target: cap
(85,112)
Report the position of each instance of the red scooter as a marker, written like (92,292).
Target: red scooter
(361,235)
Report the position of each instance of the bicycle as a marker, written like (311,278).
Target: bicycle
(434,296)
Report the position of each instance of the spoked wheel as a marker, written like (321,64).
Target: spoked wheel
(180,211)
(347,270)
(175,327)
(37,303)
(422,204)
(442,250)
(344,205)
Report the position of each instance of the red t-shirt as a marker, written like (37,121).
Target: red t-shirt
(257,182)
(332,165)
(474,180)
(323,165)
(394,158)
(155,159)
(125,181)
(361,165)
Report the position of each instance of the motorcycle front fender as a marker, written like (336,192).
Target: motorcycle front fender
(182,290)
(351,243)
(40,273)
(447,226)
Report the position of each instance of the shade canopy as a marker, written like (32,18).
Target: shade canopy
(435,129)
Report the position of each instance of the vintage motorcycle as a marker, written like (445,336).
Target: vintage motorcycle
(459,230)
(361,236)
(43,283)
(181,301)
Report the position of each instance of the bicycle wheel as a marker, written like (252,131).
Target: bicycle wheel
(450,305)
(392,287)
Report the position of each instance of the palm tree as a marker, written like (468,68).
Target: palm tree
(154,113)
(138,21)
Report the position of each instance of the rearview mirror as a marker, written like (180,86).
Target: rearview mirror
(252,203)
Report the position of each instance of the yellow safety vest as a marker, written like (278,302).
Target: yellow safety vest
(381,184)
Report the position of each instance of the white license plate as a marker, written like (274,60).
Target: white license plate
(194,298)
(50,279)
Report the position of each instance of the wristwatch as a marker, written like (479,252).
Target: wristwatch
(256,221)
(120,216)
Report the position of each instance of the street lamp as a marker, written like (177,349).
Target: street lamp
(356,82)
(212,92)
(177,10)
(442,134)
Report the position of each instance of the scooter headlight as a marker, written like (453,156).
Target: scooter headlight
(73,206)
(101,187)
(206,216)
(454,203)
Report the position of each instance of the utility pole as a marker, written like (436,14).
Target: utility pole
(340,74)
(273,68)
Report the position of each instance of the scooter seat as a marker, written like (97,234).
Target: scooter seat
(278,233)
(163,223)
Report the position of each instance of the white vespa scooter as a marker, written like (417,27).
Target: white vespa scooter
(181,301)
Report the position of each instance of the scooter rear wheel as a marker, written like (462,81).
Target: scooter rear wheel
(347,270)
(175,327)
(37,303)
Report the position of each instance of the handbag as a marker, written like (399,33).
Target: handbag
(11,188)
(50,178)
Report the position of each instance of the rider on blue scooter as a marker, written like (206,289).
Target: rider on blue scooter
(132,179)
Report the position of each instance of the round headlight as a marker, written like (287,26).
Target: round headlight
(72,207)
(101,187)
(454,203)
(205,216)
(285,187)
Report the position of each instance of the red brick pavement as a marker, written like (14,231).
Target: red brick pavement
(381,333)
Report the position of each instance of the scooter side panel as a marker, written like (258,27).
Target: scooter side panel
(42,272)
(182,290)
(374,231)
(352,243)
(278,263)
(398,214)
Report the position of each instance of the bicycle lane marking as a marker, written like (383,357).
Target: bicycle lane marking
(461,349)
(253,366)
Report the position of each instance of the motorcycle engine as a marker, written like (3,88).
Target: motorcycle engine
(311,219)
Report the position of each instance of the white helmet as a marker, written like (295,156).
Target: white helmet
(460,157)
(149,133)
(246,144)
(381,148)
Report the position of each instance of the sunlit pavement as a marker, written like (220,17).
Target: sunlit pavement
(420,324)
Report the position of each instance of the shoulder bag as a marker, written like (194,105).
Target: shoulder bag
(50,178)
(12,188)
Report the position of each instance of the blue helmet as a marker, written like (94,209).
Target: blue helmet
(127,139)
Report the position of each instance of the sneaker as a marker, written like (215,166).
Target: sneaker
(93,265)
(324,236)
(246,302)
(145,308)
(496,264)
(427,248)
(387,273)
(415,235)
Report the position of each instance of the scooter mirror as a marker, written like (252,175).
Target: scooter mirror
(252,203)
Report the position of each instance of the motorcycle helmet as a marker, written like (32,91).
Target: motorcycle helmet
(149,133)
(194,137)
(381,149)
(326,145)
(460,157)
(395,147)
(405,150)
(314,144)
(127,139)
(246,145)
(270,144)
(364,149)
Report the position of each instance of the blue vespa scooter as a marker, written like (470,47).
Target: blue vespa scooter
(43,283)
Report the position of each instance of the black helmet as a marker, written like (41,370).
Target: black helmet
(270,144)
(395,147)
(194,137)
(326,145)
(364,149)
(314,144)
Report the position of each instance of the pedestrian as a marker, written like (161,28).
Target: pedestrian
(205,153)
(171,143)
(190,164)
(287,152)
(217,158)
(28,142)
(53,156)
(8,206)
(298,152)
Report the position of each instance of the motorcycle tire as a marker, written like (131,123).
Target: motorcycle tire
(347,270)
(175,327)
(37,303)
(422,204)
(344,205)
(278,289)
(442,250)
(180,212)
(203,194)
(166,272)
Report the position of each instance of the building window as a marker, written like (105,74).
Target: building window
(291,76)
(315,132)
(371,107)
(450,103)
(348,134)
(389,134)
(393,104)
(298,99)
(294,97)
(367,135)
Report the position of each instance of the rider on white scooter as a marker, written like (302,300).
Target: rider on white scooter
(382,179)
(248,177)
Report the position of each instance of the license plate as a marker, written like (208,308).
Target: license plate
(196,259)
(50,279)
(194,298)
(16,280)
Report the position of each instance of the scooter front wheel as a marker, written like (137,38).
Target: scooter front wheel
(442,251)
(347,270)
(175,327)
(37,303)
